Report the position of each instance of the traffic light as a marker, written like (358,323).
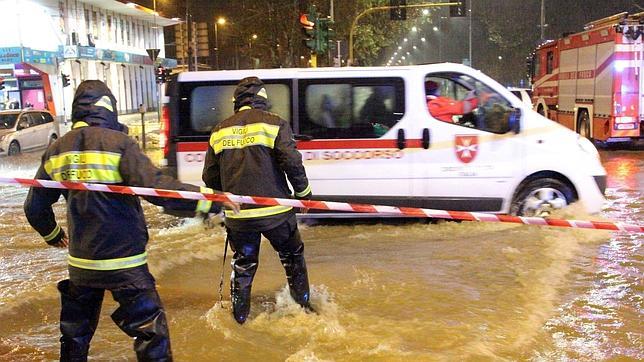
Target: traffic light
(460,10)
(166,75)
(309,28)
(324,34)
(65,79)
(160,75)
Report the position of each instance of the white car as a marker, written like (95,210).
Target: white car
(26,129)
(524,94)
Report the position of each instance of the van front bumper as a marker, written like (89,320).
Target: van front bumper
(601,183)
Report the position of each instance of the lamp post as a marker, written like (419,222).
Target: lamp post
(220,21)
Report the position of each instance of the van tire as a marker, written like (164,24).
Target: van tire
(583,124)
(14,148)
(52,139)
(540,196)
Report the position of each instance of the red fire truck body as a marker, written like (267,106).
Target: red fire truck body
(592,81)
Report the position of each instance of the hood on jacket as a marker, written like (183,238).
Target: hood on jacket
(251,92)
(95,105)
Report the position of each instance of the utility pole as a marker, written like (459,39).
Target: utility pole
(543,20)
(470,34)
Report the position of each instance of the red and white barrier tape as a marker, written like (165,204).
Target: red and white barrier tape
(326,205)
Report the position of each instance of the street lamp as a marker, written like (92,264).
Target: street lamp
(220,21)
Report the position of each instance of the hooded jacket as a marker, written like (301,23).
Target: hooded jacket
(107,231)
(252,153)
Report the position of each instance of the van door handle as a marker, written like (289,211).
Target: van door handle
(400,142)
(425,138)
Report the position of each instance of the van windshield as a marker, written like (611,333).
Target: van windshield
(7,121)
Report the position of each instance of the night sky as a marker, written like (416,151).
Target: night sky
(561,16)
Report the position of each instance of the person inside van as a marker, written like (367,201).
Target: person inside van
(375,112)
(327,107)
(445,108)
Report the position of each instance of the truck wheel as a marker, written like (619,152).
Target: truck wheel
(540,196)
(14,148)
(583,124)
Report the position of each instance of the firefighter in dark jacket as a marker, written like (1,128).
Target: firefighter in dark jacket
(107,232)
(252,153)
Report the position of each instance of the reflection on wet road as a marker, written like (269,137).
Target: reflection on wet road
(385,291)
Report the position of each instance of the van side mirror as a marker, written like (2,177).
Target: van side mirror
(514,121)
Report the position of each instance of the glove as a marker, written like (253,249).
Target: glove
(59,240)
(304,210)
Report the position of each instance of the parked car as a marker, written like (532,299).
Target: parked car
(26,129)
(524,94)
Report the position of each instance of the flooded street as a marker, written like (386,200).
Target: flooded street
(384,291)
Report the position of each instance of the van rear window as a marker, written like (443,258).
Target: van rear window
(210,105)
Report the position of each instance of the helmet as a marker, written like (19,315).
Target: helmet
(250,92)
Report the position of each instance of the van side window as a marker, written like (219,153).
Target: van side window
(464,101)
(211,104)
(350,108)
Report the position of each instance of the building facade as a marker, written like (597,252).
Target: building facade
(47,40)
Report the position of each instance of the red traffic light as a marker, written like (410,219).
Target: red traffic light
(306,23)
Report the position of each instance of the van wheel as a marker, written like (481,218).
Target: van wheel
(14,148)
(583,124)
(52,139)
(540,196)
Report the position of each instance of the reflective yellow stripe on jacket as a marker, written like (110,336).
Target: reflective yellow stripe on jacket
(237,137)
(52,234)
(204,205)
(304,192)
(85,166)
(259,212)
(109,264)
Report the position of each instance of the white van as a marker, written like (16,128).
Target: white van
(366,135)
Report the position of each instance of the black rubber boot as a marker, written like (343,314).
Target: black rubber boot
(241,282)
(297,277)
(79,314)
(140,314)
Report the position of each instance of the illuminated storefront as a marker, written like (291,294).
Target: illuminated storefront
(90,39)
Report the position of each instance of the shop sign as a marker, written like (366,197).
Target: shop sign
(40,56)
(11,55)
(70,51)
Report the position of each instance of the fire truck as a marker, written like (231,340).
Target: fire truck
(592,81)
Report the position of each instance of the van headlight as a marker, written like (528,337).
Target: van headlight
(587,146)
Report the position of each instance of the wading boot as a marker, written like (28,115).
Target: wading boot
(240,285)
(297,277)
(140,314)
(78,320)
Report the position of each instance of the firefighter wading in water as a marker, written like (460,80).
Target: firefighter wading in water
(252,153)
(108,233)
